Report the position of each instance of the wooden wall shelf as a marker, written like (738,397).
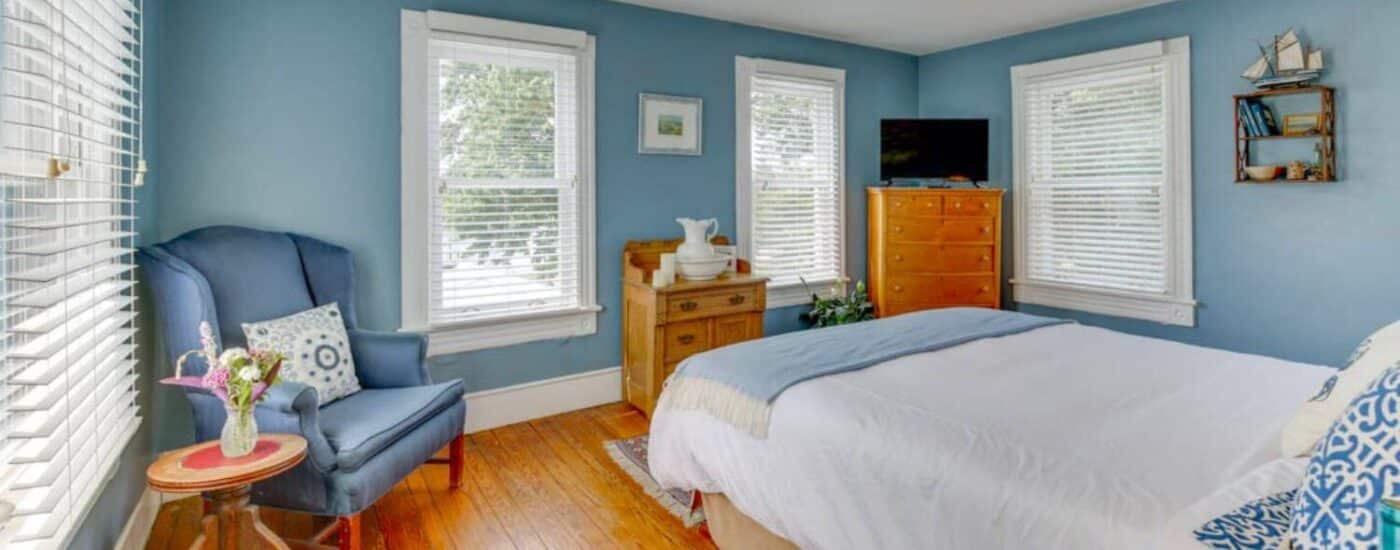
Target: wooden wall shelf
(1327,138)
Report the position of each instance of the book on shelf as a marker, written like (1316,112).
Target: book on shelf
(1264,117)
(1247,119)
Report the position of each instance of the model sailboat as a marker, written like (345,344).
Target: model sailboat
(1289,64)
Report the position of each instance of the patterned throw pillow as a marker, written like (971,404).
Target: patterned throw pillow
(1376,353)
(1258,525)
(317,350)
(1354,467)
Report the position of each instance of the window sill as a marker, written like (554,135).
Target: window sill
(506,331)
(1163,309)
(797,294)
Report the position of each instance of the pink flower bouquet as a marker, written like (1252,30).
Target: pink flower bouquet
(237,376)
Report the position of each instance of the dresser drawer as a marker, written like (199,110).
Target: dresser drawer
(686,339)
(710,304)
(968,205)
(939,258)
(944,229)
(934,290)
(914,205)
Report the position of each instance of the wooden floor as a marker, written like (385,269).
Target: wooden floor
(541,484)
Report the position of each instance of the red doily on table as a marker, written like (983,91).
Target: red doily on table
(213,457)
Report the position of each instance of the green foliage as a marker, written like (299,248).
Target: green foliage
(497,122)
(840,310)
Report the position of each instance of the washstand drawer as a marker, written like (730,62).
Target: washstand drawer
(710,304)
(939,258)
(686,339)
(944,229)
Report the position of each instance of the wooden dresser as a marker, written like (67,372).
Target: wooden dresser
(660,327)
(934,248)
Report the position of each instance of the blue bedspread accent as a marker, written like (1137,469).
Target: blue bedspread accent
(762,369)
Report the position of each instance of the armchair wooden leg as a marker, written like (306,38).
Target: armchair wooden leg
(457,461)
(350,536)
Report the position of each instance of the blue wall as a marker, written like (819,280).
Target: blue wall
(1295,271)
(286,115)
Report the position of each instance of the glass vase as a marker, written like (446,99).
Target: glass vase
(240,432)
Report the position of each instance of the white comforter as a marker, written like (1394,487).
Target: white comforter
(1063,437)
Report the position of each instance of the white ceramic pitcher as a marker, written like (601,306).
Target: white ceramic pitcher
(697,239)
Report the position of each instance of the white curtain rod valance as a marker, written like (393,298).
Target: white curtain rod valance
(501,28)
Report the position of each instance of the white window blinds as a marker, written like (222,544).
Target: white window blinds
(1103,182)
(1097,164)
(794,179)
(69,146)
(504,148)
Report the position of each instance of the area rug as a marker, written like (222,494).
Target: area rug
(631,456)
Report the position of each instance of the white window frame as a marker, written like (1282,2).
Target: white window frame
(1177,305)
(417,27)
(744,69)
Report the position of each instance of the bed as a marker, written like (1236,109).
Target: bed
(1064,436)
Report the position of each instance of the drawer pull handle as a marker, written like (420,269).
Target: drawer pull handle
(898,229)
(689,306)
(898,288)
(986,258)
(898,257)
(957,205)
(986,206)
(736,299)
(986,229)
(686,338)
(928,204)
(898,204)
(984,289)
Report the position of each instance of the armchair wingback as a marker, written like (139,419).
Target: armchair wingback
(359,446)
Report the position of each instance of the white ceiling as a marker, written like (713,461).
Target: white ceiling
(910,26)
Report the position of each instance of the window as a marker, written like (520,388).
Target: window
(69,150)
(498,183)
(791,175)
(1103,182)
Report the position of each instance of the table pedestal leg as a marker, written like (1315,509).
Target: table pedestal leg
(234,525)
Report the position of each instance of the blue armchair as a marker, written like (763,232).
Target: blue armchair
(359,446)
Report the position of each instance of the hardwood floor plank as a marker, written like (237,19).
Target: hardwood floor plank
(547,483)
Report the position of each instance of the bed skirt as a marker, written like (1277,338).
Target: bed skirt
(732,528)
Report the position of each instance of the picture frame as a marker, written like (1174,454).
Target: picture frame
(669,125)
(1302,124)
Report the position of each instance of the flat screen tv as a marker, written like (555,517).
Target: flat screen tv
(933,148)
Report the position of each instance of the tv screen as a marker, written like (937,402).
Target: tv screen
(950,148)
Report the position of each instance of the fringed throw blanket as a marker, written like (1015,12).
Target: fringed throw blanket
(738,383)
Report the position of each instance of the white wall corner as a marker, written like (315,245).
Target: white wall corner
(523,402)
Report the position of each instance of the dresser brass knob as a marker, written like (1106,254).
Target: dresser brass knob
(957,205)
(898,257)
(986,258)
(898,204)
(986,206)
(929,204)
(986,229)
(983,290)
(898,288)
(689,306)
(898,229)
(736,299)
(686,338)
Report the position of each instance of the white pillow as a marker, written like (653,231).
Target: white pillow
(316,347)
(1377,352)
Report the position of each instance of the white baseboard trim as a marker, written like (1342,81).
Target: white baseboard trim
(522,402)
(138,526)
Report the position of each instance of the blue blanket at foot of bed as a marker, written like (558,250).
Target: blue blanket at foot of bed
(738,383)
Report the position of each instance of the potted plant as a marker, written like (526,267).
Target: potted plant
(838,309)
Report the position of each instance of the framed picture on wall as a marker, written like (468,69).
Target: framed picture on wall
(668,125)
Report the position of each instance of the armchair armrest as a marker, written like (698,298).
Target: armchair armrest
(389,359)
(292,408)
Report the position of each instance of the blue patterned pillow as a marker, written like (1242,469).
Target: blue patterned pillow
(1355,465)
(1258,525)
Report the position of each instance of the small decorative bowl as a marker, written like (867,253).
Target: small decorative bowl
(1263,173)
(702,270)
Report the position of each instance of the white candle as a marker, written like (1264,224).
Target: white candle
(658,279)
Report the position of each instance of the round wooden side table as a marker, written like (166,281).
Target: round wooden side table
(229,522)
